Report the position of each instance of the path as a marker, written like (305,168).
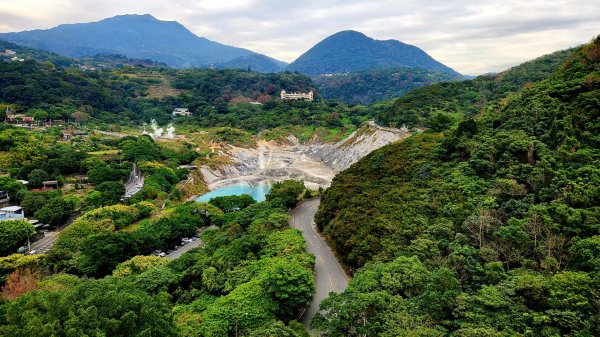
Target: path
(44,244)
(189,246)
(135,182)
(329,275)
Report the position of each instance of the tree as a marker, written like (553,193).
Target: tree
(19,282)
(33,202)
(102,173)
(112,192)
(286,193)
(37,176)
(56,211)
(11,186)
(13,233)
(138,264)
(142,149)
(289,284)
(232,202)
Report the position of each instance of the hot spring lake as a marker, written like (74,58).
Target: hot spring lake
(257,191)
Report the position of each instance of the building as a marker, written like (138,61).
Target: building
(11,213)
(8,52)
(296,95)
(185,112)
(19,118)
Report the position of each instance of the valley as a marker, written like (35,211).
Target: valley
(154,182)
(313,161)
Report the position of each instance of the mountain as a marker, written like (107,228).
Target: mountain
(370,86)
(255,62)
(488,228)
(136,36)
(349,51)
(467,97)
(33,54)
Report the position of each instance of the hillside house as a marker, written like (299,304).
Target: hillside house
(185,112)
(8,52)
(296,95)
(19,118)
(11,213)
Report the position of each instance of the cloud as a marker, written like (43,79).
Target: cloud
(472,37)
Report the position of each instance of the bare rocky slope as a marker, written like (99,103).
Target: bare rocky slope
(315,163)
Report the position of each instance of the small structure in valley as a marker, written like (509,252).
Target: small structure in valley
(296,95)
(185,112)
(11,212)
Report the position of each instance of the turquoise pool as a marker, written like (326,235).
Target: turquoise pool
(257,191)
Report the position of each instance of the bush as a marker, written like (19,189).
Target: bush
(13,233)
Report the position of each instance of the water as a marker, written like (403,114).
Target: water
(258,191)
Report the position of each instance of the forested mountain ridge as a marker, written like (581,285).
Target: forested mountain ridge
(467,97)
(34,54)
(138,36)
(254,62)
(348,51)
(370,86)
(489,228)
(132,95)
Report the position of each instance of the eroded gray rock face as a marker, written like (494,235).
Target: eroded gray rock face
(315,163)
(348,151)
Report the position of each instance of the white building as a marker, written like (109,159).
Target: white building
(182,112)
(296,95)
(8,52)
(11,212)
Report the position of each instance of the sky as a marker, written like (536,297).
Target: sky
(472,37)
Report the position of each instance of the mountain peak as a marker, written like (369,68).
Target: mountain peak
(350,50)
(140,36)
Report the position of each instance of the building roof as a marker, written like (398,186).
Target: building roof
(11,209)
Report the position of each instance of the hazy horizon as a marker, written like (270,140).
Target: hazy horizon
(473,39)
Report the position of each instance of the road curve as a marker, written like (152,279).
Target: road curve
(329,275)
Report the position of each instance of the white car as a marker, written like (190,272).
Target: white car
(162,254)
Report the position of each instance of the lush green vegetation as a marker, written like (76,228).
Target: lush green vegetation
(51,59)
(487,229)
(13,234)
(470,97)
(370,86)
(252,274)
(130,96)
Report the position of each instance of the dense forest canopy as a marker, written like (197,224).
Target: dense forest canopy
(487,228)
(132,95)
(370,86)
(467,97)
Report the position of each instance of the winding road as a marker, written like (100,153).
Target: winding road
(329,275)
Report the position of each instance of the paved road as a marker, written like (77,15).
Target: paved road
(44,244)
(178,252)
(135,182)
(181,250)
(329,275)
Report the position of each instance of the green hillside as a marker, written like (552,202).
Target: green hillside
(490,228)
(131,95)
(467,97)
(370,86)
